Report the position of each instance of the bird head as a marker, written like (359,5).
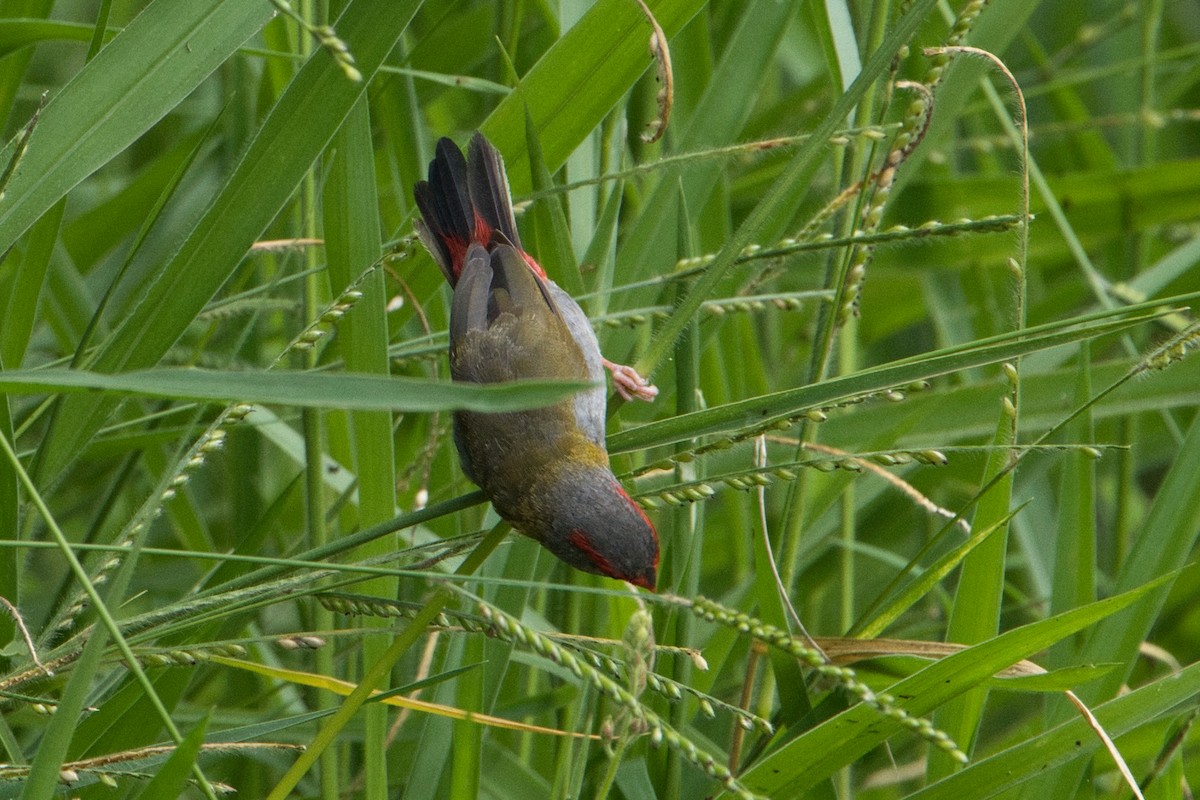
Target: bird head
(594,526)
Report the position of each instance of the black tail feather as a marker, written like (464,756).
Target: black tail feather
(459,192)
(445,205)
(489,187)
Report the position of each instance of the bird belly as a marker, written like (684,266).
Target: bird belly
(515,456)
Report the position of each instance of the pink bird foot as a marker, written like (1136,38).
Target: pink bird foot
(629,384)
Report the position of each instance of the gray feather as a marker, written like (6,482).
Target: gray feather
(590,406)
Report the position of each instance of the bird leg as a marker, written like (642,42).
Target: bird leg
(628,383)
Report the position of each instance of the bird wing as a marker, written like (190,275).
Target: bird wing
(472,294)
(504,324)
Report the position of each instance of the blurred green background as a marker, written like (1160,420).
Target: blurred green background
(229,491)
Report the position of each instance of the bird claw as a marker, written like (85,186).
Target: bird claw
(629,384)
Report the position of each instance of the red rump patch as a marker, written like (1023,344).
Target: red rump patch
(458,253)
(533,265)
(483,231)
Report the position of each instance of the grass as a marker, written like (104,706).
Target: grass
(955,443)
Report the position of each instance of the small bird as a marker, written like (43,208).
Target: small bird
(545,470)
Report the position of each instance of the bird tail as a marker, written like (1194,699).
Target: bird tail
(489,190)
(446,226)
(464,200)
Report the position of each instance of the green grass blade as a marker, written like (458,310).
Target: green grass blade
(353,244)
(171,777)
(790,402)
(20,296)
(781,198)
(975,615)
(302,389)
(819,752)
(1168,534)
(161,56)
(17,34)
(52,751)
(295,132)
(577,82)
(1068,742)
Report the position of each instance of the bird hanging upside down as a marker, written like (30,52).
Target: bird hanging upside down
(545,470)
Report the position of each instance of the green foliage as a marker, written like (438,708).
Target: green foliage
(235,530)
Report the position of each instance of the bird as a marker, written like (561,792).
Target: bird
(545,470)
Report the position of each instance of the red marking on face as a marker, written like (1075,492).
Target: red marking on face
(643,582)
(581,541)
